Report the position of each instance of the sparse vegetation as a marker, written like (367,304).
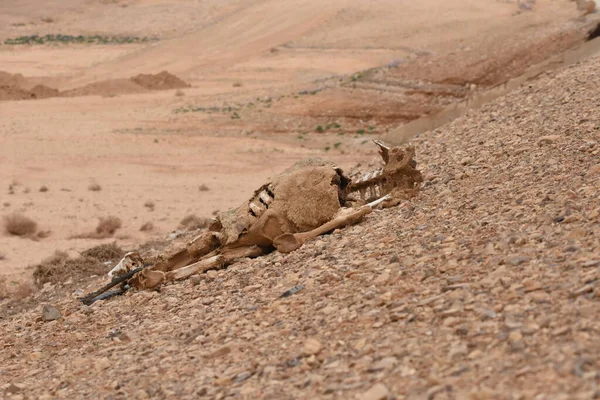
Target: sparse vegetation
(104,252)
(327,148)
(94,187)
(235,115)
(179,93)
(19,225)
(203,188)
(43,234)
(43,189)
(60,267)
(149,204)
(148,226)
(320,129)
(108,226)
(237,84)
(336,145)
(79,39)
(192,222)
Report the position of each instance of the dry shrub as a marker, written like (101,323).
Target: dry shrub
(237,84)
(179,93)
(192,222)
(149,204)
(108,226)
(203,188)
(2,256)
(104,252)
(19,225)
(43,234)
(105,229)
(60,267)
(148,226)
(94,187)
(43,189)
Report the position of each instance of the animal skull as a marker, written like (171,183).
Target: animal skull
(129,262)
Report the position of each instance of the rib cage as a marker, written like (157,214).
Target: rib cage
(261,201)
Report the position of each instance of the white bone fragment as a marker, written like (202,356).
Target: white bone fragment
(129,262)
(265,198)
(256,209)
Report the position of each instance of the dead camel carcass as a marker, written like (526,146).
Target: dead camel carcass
(309,199)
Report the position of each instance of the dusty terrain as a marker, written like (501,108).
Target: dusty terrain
(484,287)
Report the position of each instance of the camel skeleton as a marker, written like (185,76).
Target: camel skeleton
(309,199)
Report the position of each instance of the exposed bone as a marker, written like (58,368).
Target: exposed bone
(130,261)
(196,268)
(301,203)
(289,242)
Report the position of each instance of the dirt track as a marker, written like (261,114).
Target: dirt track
(460,294)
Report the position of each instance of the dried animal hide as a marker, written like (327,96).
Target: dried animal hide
(308,199)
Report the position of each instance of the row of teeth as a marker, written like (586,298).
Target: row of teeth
(261,202)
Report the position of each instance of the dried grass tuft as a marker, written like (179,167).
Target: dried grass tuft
(148,226)
(192,222)
(106,228)
(94,187)
(19,225)
(60,267)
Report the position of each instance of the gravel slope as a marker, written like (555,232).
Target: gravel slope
(484,287)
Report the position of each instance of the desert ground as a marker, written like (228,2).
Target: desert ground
(483,286)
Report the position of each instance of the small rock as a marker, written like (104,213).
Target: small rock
(570,218)
(516,260)
(458,350)
(578,233)
(102,364)
(385,363)
(195,280)
(382,279)
(594,170)
(252,288)
(12,389)
(223,351)
(292,291)
(377,392)
(207,301)
(548,139)
(50,313)
(466,161)
(515,338)
(223,381)
(241,377)
(311,346)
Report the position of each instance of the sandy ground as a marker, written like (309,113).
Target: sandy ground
(485,286)
(456,296)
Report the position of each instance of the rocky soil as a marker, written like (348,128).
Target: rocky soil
(485,286)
